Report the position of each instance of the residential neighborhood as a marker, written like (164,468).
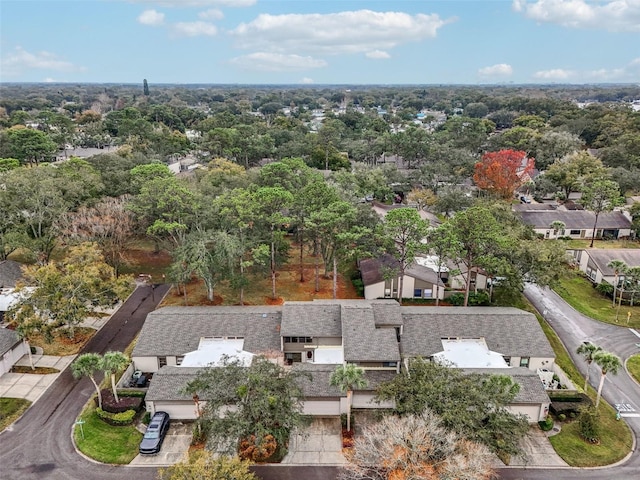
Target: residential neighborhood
(256,240)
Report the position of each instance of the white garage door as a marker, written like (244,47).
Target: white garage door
(176,410)
(321,407)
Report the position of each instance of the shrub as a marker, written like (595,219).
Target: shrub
(589,426)
(457,299)
(568,403)
(562,417)
(126,402)
(359,286)
(546,424)
(117,419)
(146,418)
(605,289)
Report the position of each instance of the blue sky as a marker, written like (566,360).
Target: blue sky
(320,41)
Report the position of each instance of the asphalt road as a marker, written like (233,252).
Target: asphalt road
(38,446)
(574,328)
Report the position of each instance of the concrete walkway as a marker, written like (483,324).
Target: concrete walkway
(31,386)
(318,444)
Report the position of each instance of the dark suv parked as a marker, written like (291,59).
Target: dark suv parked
(154,436)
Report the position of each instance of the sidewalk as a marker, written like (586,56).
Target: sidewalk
(31,386)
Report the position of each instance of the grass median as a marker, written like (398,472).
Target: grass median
(633,366)
(105,443)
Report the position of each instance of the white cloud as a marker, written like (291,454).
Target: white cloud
(193,29)
(276,62)
(359,31)
(553,74)
(307,81)
(19,61)
(151,17)
(604,74)
(613,15)
(49,80)
(498,70)
(199,3)
(377,55)
(211,14)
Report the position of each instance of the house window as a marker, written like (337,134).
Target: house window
(524,362)
(291,357)
(390,364)
(162,361)
(507,360)
(417,293)
(574,232)
(179,359)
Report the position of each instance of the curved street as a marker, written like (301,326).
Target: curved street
(38,445)
(573,328)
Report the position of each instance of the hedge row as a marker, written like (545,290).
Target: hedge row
(117,419)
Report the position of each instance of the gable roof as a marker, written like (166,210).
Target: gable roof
(311,319)
(575,219)
(320,383)
(372,270)
(10,273)
(178,330)
(362,341)
(508,331)
(168,383)
(531,388)
(602,257)
(8,340)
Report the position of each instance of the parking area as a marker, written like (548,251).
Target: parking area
(174,448)
(318,444)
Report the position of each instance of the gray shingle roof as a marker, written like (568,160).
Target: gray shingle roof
(575,219)
(630,256)
(168,382)
(311,319)
(8,340)
(177,330)
(508,331)
(531,388)
(362,341)
(372,270)
(319,384)
(10,273)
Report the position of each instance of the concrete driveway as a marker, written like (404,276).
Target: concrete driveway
(318,444)
(31,386)
(174,448)
(539,452)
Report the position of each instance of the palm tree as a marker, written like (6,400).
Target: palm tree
(112,363)
(608,362)
(588,350)
(86,365)
(558,227)
(618,267)
(347,377)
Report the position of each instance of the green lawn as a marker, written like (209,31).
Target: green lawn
(582,244)
(578,292)
(105,443)
(615,440)
(11,409)
(633,365)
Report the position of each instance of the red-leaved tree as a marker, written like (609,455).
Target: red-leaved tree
(502,172)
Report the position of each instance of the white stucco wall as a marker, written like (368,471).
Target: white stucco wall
(365,400)
(535,413)
(146,364)
(321,407)
(10,357)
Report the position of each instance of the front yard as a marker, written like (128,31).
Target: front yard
(11,409)
(103,442)
(578,292)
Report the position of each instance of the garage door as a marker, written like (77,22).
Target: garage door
(177,411)
(321,407)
